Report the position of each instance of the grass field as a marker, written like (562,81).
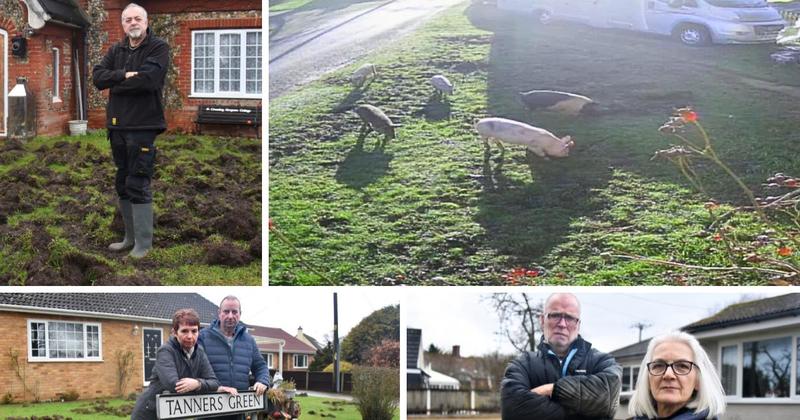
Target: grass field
(58,213)
(312,408)
(434,207)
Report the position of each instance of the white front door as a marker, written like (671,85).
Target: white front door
(4,81)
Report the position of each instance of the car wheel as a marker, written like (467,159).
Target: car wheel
(694,35)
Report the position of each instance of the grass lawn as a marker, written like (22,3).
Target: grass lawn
(78,410)
(312,408)
(433,207)
(58,213)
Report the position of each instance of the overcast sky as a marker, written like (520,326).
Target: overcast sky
(448,317)
(310,307)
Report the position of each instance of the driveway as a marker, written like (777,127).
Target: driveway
(305,44)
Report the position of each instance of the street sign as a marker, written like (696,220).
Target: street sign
(180,406)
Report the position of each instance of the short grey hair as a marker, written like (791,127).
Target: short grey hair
(231,297)
(710,395)
(549,298)
(130,6)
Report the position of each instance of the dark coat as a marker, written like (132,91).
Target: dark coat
(589,391)
(134,103)
(682,414)
(171,366)
(233,365)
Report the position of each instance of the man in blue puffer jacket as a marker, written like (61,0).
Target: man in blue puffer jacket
(233,352)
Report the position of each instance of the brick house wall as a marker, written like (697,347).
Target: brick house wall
(182,18)
(91,379)
(288,361)
(37,67)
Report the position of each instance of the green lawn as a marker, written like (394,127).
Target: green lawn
(78,410)
(58,213)
(435,208)
(312,408)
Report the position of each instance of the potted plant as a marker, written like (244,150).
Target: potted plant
(289,388)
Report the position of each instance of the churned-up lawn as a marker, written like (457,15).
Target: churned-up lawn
(434,207)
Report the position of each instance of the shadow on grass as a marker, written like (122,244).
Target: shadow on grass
(436,109)
(361,168)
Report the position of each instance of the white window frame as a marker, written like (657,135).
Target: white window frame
(632,379)
(297,365)
(270,362)
(243,69)
(47,358)
(793,398)
(56,74)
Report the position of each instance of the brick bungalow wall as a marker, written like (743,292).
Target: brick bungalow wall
(37,66)
(182,18)
(91,379)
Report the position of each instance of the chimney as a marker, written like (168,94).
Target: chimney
(457,351)
(300,330)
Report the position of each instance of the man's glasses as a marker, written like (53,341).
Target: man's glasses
(681,367)
(555,317)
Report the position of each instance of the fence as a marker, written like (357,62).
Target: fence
(446,401)
(317,381)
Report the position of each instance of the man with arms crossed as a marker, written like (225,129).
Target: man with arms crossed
(565,378)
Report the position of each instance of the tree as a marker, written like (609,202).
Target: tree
(323,358)
(494,366)
(385,354)
(434,350)
(381,324)
(519,318)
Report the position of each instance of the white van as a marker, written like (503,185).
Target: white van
(694,22)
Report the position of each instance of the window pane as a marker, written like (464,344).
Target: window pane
(766,368)
(230,57)
(626,379)
(92,341)
(634,376)
(253,63)
(729,370)
(203,62)
(38,338)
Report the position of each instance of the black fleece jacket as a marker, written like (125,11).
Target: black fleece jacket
(134,103)
(589,391)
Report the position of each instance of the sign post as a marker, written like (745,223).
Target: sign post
(180,406)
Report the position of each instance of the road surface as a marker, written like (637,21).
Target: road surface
(306,44)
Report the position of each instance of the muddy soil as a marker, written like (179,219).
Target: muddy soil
(58,209)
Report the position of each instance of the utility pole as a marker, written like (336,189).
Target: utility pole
(337,385)
(641,326)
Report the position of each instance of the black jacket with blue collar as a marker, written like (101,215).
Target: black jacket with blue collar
(586,384)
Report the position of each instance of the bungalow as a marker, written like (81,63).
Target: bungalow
(311,341)
(281,350)
(96,344)
(216,58)
(416,378)
(754,346)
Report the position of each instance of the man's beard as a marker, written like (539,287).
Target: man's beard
(135,33)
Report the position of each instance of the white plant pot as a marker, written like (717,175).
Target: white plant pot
(77,127)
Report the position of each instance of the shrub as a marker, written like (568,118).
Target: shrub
(70,395)
(376,391)
(7,398)
(385,354)
(344,367)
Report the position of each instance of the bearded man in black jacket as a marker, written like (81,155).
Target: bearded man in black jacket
(565,378)
(134,70)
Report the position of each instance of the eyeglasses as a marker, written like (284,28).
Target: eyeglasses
(681,367)
(555,317)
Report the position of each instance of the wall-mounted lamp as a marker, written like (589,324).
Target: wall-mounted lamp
(135,330)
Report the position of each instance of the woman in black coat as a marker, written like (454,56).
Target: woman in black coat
(181,366)
(677,381)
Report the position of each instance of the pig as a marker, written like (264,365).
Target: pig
(360,76)
(442,85)
(375,119)
(538,140)
(562,102)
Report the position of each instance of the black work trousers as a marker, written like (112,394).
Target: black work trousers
(134,155)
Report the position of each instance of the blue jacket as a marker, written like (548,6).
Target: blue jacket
(233,366)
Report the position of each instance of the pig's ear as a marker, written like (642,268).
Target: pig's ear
(566,139)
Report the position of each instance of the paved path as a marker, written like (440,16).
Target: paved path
(306,44)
